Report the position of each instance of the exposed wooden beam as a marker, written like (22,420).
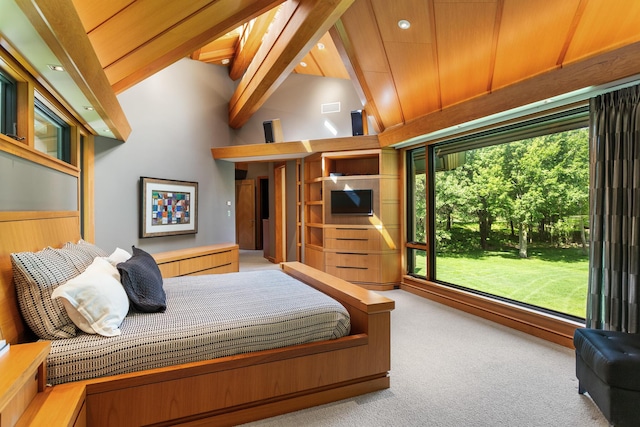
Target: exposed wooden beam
(293,149)
(593,71)
(249,43)
(302,28)
(60,27)
(179,41)
(219,49)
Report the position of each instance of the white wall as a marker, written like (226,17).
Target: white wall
(176,116)
(297,104)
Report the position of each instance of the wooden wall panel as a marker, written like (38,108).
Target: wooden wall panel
(383,92)
(518,53)
(418,95)
(465,34)
(605,25)
(359,20)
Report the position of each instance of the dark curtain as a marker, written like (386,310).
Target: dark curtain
(612,302)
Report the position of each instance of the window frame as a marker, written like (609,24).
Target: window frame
(63,136)
(8,104)
(579,110)
(411,244)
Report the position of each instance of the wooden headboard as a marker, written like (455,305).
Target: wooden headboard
(28,231)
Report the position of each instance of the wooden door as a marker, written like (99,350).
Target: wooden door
(246,214)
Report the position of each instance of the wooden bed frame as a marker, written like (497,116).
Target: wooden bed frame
(224,391)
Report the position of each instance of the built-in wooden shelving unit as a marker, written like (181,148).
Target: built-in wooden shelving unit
(363,249)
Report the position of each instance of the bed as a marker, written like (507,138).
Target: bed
(227,390)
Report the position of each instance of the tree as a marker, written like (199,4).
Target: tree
(420,207)
(537,182)
(487,189)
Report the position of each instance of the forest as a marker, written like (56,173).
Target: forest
(526,200)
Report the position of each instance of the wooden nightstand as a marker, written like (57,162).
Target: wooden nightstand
(25,399)
(22,375)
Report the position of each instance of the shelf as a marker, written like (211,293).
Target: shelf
(351,246)
(318,247)
(351,177)
(293,149)
(314,225)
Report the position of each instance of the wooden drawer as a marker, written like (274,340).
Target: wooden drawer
(170,269)
(227,268)
(354,274)
(345,244)
(192,265)
(351,233)
(362,239)
(349,259)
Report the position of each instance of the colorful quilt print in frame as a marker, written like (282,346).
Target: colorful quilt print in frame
(168,207)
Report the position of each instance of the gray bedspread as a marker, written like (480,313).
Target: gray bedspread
(207,317)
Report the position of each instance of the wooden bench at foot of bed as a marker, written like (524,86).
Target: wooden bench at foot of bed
(224,391)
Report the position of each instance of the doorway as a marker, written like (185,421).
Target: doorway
(263,211)
(246,214)
(280,211)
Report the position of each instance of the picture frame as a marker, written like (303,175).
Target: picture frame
(168,207)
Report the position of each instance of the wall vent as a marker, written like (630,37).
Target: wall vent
(331,107)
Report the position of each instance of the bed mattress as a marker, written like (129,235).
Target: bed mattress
(207,317)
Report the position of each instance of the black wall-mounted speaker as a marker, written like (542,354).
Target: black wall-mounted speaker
(358,122)
(268,131)
(272,131)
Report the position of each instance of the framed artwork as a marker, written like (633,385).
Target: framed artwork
(168,207)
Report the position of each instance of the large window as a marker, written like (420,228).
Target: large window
(8,108)
(508,213)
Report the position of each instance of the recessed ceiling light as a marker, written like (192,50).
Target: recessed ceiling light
(303,64)
(225,61)
(320,46)
(88,108)
(53,67)
(404,24)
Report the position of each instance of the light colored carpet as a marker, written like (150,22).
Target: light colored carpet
(254,260)
(449,368)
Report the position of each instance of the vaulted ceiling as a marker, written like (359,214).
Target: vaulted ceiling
(453,53)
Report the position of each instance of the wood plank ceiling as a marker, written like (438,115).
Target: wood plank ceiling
(453,51)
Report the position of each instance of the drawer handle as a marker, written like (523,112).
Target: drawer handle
(350,228)
(346,238)
(350,253)
(351,268)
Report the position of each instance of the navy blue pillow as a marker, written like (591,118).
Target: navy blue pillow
(142,281)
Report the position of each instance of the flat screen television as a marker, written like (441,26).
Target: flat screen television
(352,202)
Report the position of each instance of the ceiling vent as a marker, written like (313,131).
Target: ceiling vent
(331,107)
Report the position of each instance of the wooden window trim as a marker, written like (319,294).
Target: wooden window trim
(546,326)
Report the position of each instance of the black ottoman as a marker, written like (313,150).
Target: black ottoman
(608,368)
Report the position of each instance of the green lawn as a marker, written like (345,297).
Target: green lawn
(553,278)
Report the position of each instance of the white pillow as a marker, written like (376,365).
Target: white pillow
(118,256)
(95,300)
